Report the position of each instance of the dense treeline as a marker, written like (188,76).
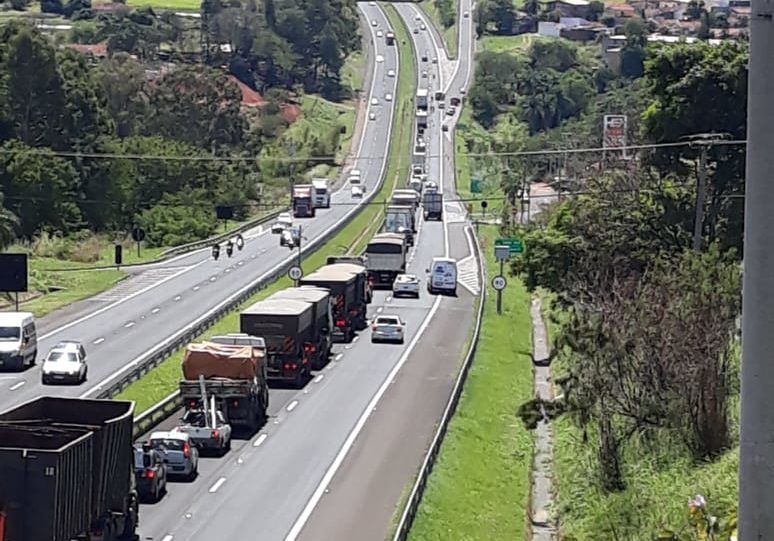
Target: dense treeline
(645,350)
(54,103)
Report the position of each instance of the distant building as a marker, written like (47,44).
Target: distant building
(548,29)
(620,11)
(94,53)
(566,8)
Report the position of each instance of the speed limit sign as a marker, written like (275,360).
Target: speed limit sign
(499,283)
(295,272)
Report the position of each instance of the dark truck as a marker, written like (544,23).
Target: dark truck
(67,471)
(400,219)
(303,201)
(432,205)
(319,349)
(286,325)
(349,288)
(386,254)
(359,261)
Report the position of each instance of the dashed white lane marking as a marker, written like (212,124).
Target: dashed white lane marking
(319,378)
(219,483)
(130,324)
(228,270)
(167,538)
(378,310)
(339,356)
(17,385)
(178,297)
(155,310)
(259,440)
(196,288)
(98,341)
(355,339)
(213,278)
(292,405)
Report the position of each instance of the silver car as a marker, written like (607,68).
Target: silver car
(65,363)
(180,454)
(387,328)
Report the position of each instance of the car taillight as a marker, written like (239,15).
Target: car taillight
(373,328)
(294,366)
(341,323)
(286,366)
(186,450)
(150,474)
(236,403)
(215,434)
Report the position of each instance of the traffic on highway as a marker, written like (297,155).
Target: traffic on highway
(271,408)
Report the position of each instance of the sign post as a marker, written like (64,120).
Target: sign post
(138,234)
(504,249)
(295,273)
(614,134)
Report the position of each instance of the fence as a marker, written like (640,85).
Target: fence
(415,497)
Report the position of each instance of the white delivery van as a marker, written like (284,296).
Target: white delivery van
(442,276)
(18,340)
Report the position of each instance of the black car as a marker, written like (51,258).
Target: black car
(150,471)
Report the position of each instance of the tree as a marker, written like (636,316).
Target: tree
(702,89)
(35,92)
(8,224)
(122,79)
(201,99)
(633,51)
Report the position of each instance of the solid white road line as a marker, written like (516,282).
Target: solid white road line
(17,385)
(292,405)
(259,440)
(319,378)
(321,488)
(219,483)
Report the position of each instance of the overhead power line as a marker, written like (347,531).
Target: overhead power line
(328,158)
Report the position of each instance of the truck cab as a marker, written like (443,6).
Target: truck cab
(303,201)
(322,194)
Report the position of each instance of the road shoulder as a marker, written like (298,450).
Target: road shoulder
(379,469)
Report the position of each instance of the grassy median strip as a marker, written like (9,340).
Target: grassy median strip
(163,380)
(479,487)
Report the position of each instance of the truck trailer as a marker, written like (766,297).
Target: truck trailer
(286,325)
(67,471)
(386,258)
(303,201)
(432,205)
(349,287)
(319,349)
(400,219)
(234,374)
(422,98)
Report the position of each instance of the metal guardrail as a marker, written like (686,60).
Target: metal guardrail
(159,412)
(186,248)
(418,490)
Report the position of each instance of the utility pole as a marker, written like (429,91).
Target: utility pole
(292,154)
(756,450)
(300,236)
(706,141)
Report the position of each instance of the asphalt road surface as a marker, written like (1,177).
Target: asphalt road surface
(360,501)
(271,482)
(122,326)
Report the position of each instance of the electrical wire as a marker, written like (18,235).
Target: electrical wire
(330,158)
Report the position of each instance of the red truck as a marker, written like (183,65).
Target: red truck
(303,201)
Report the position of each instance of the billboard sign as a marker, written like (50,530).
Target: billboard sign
(614,133)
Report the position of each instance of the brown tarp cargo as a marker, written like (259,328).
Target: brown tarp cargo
(220,361)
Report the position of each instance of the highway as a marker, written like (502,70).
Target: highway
(271,483)
(122,326)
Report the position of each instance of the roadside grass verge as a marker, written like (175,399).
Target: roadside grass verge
(659,480)
(163,380)
(174,5)
(506,44)
(448,34)
(479,487)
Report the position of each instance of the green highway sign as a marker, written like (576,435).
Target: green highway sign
(461,126)
(475,185)
(515,246)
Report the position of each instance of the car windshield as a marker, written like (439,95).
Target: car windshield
(10,333)
(387,321)
(62,356)
(168,444)
(141,459)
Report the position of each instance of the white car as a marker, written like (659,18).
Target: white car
(356,192)
(390,73)
(424,74)
(379,58)
(179,452)
(416,30)
(388,97)
(406,284)
(462,90)
(372,3)
(422,26)
(66,363)
(435,60)
(373,22)
(288,238)
(387,328)
(284,221)
(371,116)
(431,187)
(374,101)
(379,34)
(466,14)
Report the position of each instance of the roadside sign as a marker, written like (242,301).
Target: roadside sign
(295,272)
(138,234)
(515,246)
(499,283)
(475,184)
(502,253)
